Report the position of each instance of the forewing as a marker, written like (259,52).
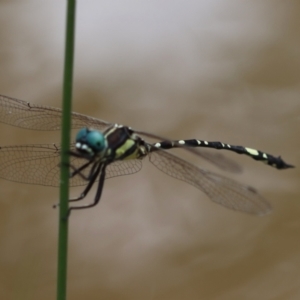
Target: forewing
(38,117)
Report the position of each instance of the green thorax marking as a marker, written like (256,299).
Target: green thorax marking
(124,144)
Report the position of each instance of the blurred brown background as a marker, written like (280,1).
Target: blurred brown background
(215,70)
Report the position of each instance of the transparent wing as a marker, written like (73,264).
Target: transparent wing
(218,159)
(219,189)
(37,117)
(40,164)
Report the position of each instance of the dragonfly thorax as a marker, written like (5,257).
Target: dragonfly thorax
(124,144)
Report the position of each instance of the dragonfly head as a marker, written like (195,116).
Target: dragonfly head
(90,141)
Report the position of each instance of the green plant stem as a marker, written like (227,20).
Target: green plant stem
(65,142)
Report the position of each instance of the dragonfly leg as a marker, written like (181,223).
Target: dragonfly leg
(78,171)
(99,190)
(92,178)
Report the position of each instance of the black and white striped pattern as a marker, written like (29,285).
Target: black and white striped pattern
(269,159)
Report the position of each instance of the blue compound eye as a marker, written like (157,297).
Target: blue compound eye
(95,139)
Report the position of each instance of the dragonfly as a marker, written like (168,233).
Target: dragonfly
(103,150)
